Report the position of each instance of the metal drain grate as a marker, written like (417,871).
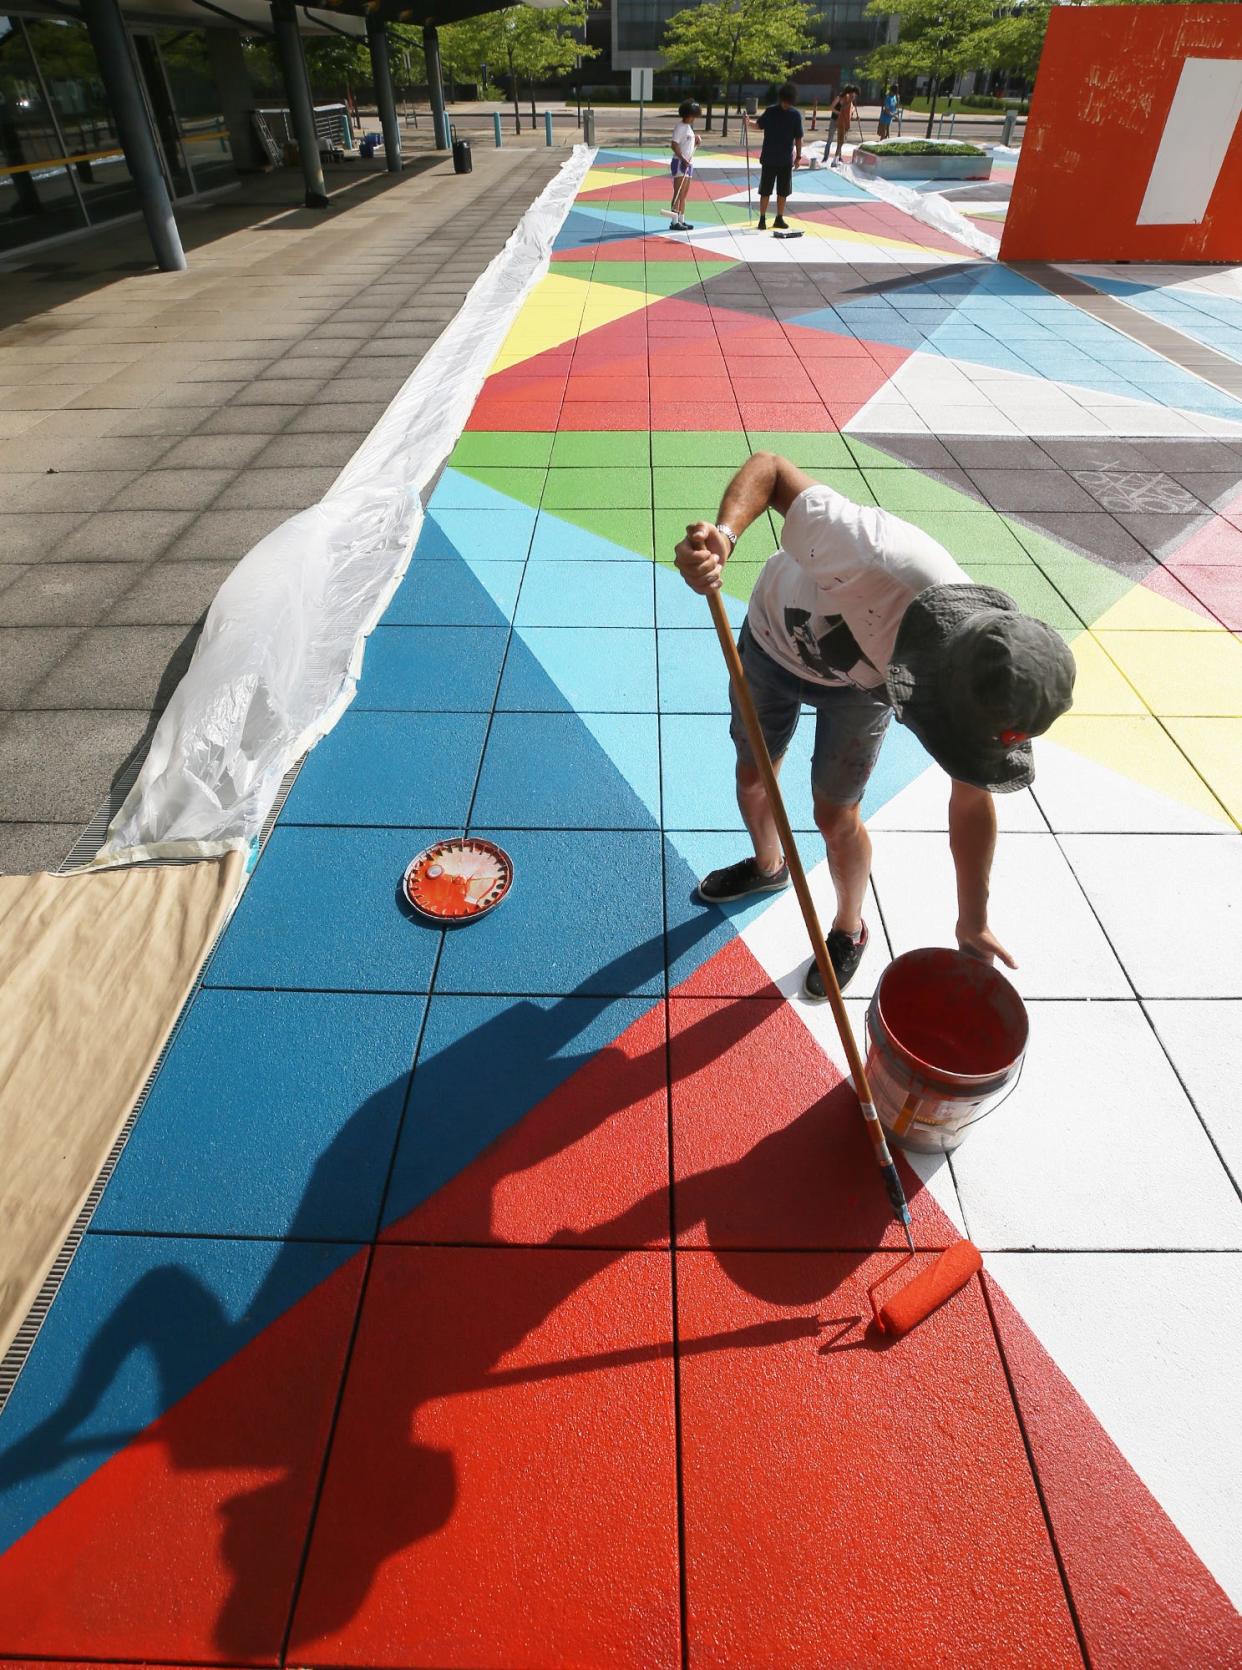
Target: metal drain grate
(84,849)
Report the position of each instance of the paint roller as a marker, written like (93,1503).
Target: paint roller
(955,1266)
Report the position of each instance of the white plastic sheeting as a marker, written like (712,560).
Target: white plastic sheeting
(930,207)
(281,649)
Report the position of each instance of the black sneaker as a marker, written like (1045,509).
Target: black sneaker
(736,881)
(845,954)
(763,223)
(780,224)
(682,226)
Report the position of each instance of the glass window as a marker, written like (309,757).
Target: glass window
(67,61)
(203,131)
(37,197)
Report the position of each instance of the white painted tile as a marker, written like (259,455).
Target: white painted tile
(1099,1145)
(1037,911)
(1144,1338)
(924,804)
(1170,904)
(1079,795)
(887,418)
(778,939)
(1204,1040)
(974,420)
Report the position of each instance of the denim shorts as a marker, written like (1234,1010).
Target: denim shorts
(849,723)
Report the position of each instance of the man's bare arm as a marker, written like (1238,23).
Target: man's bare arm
(972,841)
(764,481)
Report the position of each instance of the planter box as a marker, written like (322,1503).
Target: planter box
(924,167)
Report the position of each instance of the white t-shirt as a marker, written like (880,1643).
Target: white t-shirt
(828,604)
(684,139)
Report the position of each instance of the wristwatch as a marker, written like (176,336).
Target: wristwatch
(727,531)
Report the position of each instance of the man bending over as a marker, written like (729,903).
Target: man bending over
(859,615)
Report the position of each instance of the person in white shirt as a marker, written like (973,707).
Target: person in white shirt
(681,166)
(859,615)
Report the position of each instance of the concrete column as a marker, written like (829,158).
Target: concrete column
(435,86)
(113,53)
(381,74)
(232,79)
(297,89)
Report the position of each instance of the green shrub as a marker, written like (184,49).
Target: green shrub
(923,148)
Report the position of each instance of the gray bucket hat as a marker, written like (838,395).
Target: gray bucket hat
(974,679)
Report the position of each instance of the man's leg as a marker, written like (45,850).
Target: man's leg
(752,803)
(849,859)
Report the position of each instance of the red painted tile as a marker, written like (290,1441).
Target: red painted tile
(1216,590)
(1142,1594)
(733,971)
(867,1509)
(591,1159)
(669,414)
(789,383)
(517,415)
(501,1489)
(781,414)
(187,1543)
(606,414)
(830,347)
(769,1148)
(593,388)
(676,389)
(848,380)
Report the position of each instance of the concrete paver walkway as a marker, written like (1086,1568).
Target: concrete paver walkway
(153,427)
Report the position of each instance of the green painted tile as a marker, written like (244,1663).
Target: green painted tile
(1030,590)
(756,544)
(982,535)
(808,450)
(623,275)
(610,486)
(502,447)
(850,482)
(629,528)
(525,485)
(677,484)
(581,449)
(905,490)
(695,446)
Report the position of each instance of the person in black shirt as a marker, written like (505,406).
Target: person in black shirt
(782,150)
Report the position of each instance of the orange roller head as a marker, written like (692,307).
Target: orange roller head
(940,1281)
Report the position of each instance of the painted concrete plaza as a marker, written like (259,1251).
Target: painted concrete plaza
(497,1296)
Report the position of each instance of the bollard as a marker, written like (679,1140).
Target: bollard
(496,127)
(1007,127)
(814,113)
(547,127)
(588,127)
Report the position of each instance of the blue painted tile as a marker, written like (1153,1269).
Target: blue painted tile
(275,1114)
(559,541)
(407,769)
(586,669)
(501,485)
(138,1323)
(323,912)
(452,594)
(587,594)
(442,669)
(677,605)
(696,932)
(562,771)
(584,915)
(693,675)
(485,1062)
(698,773)
(501,535)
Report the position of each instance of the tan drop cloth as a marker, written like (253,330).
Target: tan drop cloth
(93,972)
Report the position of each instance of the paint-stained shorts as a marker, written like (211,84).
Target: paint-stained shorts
(678,166)
(849,723)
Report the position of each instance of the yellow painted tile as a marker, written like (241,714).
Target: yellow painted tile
(1182,673)
(1143,610)
(1138,747)
(1098,686)
(596,178)
(1215,748)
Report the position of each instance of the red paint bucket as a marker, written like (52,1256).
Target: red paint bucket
(947,1037)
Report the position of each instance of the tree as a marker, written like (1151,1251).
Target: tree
(725,42)
(938,39)
(1014,38)
(530,45)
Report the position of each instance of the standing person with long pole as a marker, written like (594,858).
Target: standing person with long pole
(779,154)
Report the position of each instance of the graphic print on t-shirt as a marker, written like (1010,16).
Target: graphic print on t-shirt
(825,644)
